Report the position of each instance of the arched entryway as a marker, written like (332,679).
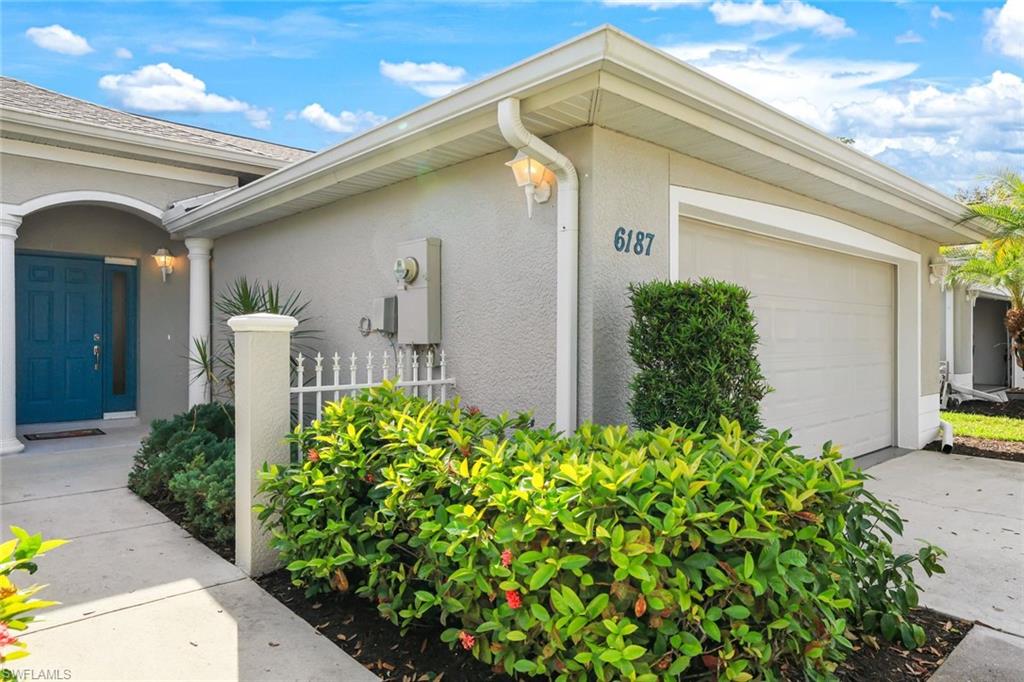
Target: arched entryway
(92,328)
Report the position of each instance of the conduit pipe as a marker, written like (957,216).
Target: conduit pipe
(946,429)
(567,288)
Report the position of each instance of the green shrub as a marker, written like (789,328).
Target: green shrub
(694,345)
(602,555)
(189,460)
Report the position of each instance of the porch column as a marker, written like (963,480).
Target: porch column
(8,391)
(963,337)
(198,313)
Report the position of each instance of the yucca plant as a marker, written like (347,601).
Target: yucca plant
(242,297)
(1000,265)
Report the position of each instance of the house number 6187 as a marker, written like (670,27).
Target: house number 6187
(627,241)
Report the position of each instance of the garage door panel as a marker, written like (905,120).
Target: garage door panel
(827,335)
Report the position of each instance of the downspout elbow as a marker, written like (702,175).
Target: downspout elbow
(515,133)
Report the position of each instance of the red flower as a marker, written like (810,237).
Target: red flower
(313,455)
(473,410)
(6,638)
(506,558)
(467,640)
(370,478)
(513,599)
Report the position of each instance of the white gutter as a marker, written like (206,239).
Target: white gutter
(567,289)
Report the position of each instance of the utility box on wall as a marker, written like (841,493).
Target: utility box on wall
(418,271)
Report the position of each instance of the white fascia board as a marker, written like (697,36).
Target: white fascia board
(42,127)
(465,111)
(77,157)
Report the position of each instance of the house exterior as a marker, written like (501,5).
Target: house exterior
(655,170)
(91,328)
(975,343)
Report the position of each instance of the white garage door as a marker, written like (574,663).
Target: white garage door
(827,333)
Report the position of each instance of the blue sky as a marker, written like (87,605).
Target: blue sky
(935,90)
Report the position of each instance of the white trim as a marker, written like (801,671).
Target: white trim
(262,322)
(86,196)
(928,419)
(117,260)
(814,230)
(121,164)
(126,414)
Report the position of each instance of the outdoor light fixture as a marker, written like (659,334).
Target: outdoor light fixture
(164,261)
(534,177)
(939,271)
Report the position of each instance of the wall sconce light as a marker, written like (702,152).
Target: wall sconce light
(534,177)
(939,272)
(164,261)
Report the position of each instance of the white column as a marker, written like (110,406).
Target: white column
(8,390)
(198,313)
(262,420)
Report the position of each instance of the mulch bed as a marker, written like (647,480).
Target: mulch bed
(1006,450)
(1011,408)
(354,624)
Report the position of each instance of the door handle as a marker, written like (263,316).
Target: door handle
(96,357)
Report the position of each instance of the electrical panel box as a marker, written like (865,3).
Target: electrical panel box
(418,273)
(384,318)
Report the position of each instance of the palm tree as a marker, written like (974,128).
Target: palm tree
(999,264)
(1001,204)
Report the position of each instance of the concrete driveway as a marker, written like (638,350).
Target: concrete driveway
(140,598)
(974,509)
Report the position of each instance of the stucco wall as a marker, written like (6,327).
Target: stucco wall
(163,307)
(23,178)
(498,272)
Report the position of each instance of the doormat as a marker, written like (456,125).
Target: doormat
(53,435)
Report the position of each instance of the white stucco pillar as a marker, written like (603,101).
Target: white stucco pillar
(8,390)
(198,313)
(262,420)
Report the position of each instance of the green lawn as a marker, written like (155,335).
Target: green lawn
(982,426)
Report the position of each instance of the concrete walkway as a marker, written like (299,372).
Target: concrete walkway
(140,598)
(974,509)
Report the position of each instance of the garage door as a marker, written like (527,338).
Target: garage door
(827,333)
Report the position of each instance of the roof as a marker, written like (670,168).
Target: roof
(28,104)
(609,79)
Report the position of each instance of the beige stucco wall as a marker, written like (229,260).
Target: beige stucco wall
(163,307)
(498,272)
(23,178)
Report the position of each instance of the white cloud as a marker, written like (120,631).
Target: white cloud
(938,14)
(56,38)
(788,15)
(652,4)
(1006,29)
(432,79)
(123,53)
(346,122)
(944,136)
(908,37)
(162,87)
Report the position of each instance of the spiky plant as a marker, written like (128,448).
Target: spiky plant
(999,265)
(242,297)
(1001,204)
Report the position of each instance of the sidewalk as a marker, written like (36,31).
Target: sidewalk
(140,598)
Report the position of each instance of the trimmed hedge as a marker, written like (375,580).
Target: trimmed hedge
(695,347)
(603,555)
(189,460)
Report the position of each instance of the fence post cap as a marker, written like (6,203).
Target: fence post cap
(262,322)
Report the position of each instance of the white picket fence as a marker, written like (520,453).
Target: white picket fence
(425,379)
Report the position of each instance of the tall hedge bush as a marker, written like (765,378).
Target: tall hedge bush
(695,347)
(605,555)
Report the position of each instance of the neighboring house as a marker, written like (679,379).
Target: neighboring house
(90,327)
(975,342)
(834,245)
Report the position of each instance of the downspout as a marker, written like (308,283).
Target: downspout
(567,289)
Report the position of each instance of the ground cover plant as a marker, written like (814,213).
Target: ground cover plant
(185,467)
(694,345)
(985,426)
(606,554)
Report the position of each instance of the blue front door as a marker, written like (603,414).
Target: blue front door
(59,309)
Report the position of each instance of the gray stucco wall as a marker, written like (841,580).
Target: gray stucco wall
(163,307)
(23,178)
(498,272)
